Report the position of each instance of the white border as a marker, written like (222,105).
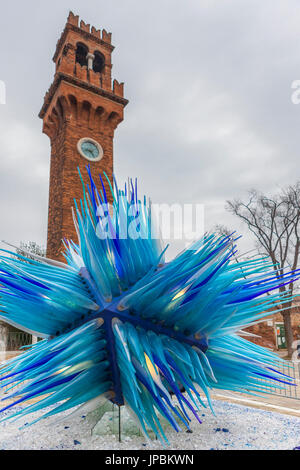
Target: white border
(88,139)
(2,92)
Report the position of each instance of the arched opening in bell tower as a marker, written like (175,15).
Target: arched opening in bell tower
(99,62)
(81,54)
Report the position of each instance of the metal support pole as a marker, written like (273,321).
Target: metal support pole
(120,440)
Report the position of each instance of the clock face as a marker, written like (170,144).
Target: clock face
(90,149)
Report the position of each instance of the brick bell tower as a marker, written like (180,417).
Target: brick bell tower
(81,111)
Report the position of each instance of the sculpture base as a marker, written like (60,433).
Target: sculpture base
(115,420)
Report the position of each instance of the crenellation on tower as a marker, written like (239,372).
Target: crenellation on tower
(118,88)
(81,111)
(80,71)
(73,19)
(106,37)
(96,32)
(84,26)
(93,78)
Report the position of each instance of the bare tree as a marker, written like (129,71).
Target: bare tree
(222,230)
(275,223)
(31,247)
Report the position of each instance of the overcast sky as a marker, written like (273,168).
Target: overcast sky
(210,113)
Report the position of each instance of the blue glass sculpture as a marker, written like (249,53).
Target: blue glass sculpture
(119,322)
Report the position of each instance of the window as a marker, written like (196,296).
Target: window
(99,61)
(81,53)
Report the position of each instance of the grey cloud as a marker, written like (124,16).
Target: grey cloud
(210,113)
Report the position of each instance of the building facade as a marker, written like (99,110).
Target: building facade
(270,332)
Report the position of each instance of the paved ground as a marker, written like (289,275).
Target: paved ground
(279,404)
(241,422)
(233,427)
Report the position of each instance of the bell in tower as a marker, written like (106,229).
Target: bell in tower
(81,111)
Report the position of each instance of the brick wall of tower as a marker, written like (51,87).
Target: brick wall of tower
(55,206)
(71,187)
(65,184)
